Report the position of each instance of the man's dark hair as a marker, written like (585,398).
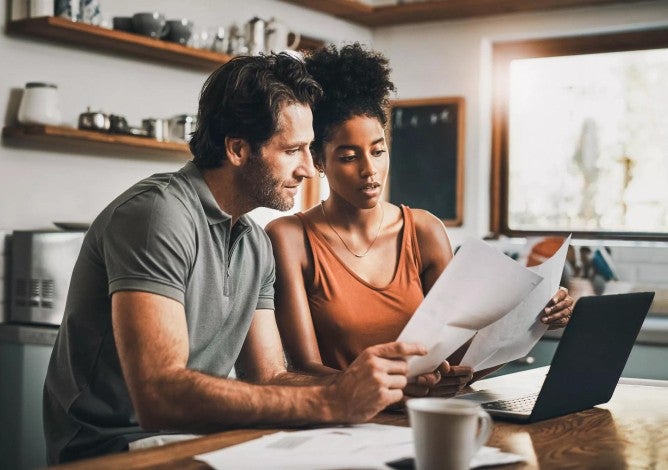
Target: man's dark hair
(243,99)
(355,82)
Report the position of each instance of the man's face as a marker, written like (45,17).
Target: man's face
(272,178)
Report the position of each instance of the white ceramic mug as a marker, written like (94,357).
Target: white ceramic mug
(277,37)
(447,432)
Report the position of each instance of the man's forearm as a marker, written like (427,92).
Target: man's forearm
(303,379)
(191,401)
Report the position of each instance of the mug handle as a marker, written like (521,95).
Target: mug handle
(485,429)
(295,41)
(164,31)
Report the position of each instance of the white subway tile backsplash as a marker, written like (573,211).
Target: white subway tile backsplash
(626,271)
(637,262)
(640,254)
(654,273)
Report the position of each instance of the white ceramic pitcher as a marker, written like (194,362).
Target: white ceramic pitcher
(277,34)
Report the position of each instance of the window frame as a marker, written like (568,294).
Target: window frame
(503,53)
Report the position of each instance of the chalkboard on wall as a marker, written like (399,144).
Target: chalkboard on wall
(427,156)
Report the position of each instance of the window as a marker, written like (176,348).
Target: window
(580,136)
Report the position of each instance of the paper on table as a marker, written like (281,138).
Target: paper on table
(514,334)
(360,446)
(477,288)
(368,446)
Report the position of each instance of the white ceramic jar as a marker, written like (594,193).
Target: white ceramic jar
(41,8)
(40,104)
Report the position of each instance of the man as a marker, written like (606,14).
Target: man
(174,285)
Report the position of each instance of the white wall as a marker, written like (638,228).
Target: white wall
(453,58)
(41,186)
(429,60)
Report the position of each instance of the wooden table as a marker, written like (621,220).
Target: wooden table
(631,431)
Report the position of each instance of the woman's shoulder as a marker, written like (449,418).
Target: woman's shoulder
(426,223)
(286,226)
(288,240)
(433,240)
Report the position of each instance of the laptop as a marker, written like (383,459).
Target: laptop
(586,366)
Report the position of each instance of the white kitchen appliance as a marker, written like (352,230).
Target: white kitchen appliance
(41,268)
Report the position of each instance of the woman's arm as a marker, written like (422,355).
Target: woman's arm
(435,254)
(293,315)
(433,245)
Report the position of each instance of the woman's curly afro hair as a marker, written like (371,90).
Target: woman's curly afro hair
(355,82)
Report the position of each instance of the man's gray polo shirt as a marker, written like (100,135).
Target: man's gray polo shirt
(165,235)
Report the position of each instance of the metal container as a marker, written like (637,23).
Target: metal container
(89,11)
(94,121)
(70,9)
(156,128)
(181,127)
(255,36)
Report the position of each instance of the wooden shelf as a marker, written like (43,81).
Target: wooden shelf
(50,138)
(83,140)
(435,10)
(89,36)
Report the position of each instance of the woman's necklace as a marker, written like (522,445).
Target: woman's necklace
(382,217)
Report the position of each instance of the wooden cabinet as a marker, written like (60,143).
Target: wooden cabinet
(403,12)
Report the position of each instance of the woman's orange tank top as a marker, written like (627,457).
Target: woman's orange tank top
(349,314)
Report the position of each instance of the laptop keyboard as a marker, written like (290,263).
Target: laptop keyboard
(518,405)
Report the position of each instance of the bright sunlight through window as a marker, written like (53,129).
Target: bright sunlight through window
(588,142)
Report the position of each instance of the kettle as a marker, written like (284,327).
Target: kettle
(255,40)
(277,35)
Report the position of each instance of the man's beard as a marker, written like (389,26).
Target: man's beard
(262,187)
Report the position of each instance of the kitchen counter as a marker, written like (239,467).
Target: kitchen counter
(25,351)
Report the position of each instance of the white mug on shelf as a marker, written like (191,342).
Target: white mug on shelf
(277,35)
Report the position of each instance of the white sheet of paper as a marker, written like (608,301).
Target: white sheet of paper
(367,446)
(359,446)
(477,288)
(514,334)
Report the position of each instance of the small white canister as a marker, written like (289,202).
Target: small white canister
(40,104)
(41,8)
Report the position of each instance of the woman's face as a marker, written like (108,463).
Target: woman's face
(356,161)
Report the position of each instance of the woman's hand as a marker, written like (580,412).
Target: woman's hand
(446,381)
(559,309)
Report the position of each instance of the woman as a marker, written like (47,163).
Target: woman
(352,270)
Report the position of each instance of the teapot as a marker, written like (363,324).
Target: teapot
(277,35)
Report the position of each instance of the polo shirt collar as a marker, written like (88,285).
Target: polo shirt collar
(213,212)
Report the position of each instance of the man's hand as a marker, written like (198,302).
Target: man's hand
(446,381)
(375,380)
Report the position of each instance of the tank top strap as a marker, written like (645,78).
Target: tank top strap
(316,248)
(410,237)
